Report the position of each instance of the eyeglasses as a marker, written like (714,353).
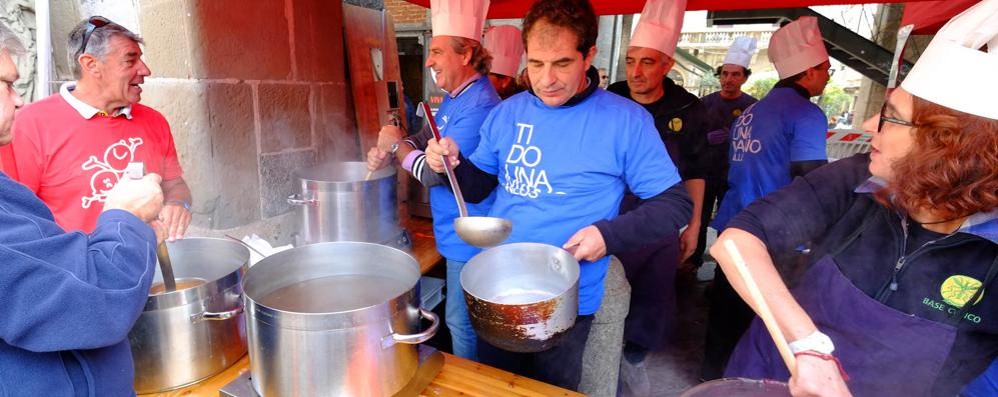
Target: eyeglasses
(93,24)
(886,119)
(604,77)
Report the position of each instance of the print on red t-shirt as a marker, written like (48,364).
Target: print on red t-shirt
(71,162)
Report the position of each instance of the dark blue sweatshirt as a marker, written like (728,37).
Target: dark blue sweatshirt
(829,204)
(68,300)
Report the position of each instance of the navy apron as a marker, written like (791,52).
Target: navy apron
(886,352)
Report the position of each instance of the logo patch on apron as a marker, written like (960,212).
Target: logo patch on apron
(736,112)
(676,124)
(957,290)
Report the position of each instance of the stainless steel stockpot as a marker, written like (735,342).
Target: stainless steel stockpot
(190,334)
(336,203)
(334,319)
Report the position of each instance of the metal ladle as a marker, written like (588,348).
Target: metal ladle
(480,231)
(166,266)
(136,170)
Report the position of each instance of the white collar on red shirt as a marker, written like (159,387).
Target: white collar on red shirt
(85,110)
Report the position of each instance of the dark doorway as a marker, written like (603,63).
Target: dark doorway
(411,67)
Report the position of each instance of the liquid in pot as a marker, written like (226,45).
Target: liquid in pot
(158,288)
(335,294)
(521,296)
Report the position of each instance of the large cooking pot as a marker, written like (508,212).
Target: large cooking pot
(336,203)
(739,387)
(522,297)
(334,319)
(190,334)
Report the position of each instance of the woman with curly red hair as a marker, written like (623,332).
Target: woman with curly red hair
(904,240)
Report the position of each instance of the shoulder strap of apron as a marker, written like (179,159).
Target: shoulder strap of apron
(867,221)
(989,276)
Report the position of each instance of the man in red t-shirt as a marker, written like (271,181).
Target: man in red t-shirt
(73,147)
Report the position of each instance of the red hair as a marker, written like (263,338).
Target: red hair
(952,169)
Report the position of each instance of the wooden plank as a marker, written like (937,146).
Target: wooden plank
(459,377)
(465,377)
(368,29)
(424,245)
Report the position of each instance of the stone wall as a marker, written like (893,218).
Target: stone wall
(252,91)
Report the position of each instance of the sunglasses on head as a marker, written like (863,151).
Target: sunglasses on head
(93,24)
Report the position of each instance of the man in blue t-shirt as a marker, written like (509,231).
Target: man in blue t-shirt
(723,109)
(460,64)
(778,138)
(561,155)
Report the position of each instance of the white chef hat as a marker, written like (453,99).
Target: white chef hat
(797,47)
(953,72)
(505,44)
(659,26)
(461,18)
(741,51)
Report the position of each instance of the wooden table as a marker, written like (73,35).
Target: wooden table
(424,246)
(459,377)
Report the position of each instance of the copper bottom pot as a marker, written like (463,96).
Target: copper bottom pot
(522,297)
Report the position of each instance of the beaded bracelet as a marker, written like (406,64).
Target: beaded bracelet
(826,357)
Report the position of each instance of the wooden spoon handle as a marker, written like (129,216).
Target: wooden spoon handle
(764,312)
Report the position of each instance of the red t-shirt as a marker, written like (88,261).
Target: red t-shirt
(71,162)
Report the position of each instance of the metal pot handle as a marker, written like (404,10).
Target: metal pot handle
(414,339)
(296,199)
(217,316)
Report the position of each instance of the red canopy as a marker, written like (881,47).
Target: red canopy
(929,16)
(518,8)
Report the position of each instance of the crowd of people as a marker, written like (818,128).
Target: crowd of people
(875,266)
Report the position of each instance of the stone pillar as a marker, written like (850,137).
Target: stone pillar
(601,360)
(251,93)
(871,93)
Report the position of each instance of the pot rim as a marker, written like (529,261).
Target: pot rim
(311,175)
(204,291)
(395,304)
(494,250)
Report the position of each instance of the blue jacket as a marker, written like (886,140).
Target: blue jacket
(460,118)
(829,204)
(68,300)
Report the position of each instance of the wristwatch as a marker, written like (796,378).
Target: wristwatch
(816,341)
(394,148)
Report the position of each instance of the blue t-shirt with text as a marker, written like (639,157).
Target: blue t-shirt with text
(562,169)
(781,128)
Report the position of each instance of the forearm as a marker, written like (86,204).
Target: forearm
(476,184)
(415,163)
(94,286)
(791,318)
(420,138)
(176,190)
(655,218)
(696,189)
